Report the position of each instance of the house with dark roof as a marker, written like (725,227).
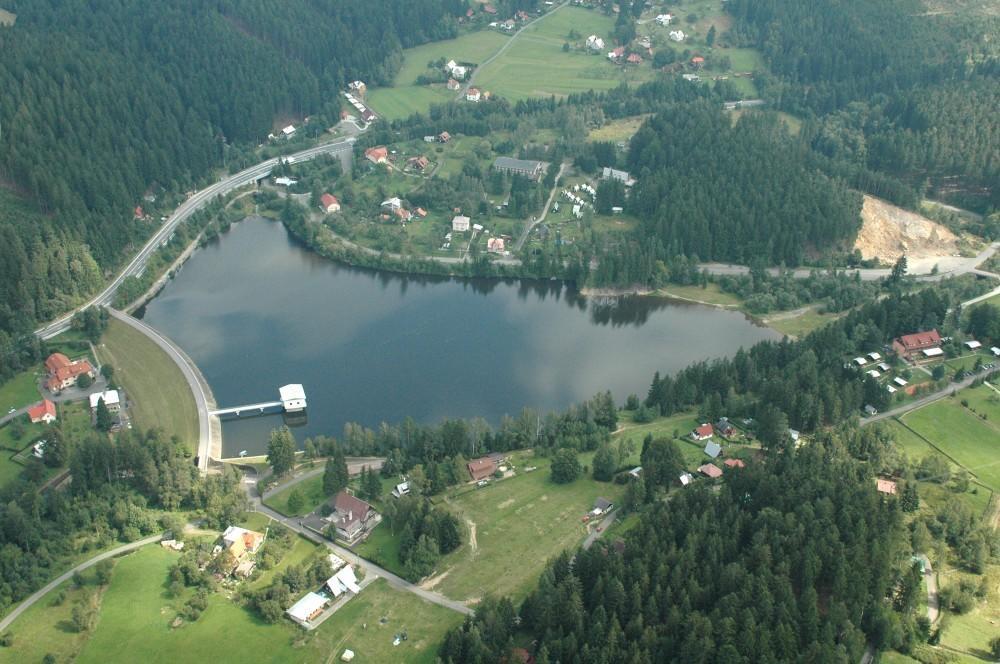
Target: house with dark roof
(725,427)
(909,345)
(352,518)
(482,468)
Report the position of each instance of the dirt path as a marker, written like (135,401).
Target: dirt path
(472,534)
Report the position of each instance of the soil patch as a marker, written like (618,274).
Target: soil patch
(888,232)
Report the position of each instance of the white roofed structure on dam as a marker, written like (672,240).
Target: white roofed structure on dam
(293,397)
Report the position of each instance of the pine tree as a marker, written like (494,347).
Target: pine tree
(910,500)
(281,451)
(103,417)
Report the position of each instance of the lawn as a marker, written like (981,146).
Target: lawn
(971,632)
(382,548)
(19,391)
(156,388)
(710,294)
(519,523)
(397,103)
(959,433)
(311,490)
(536,66)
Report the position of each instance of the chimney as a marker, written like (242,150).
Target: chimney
(350,515)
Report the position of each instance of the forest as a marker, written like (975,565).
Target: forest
(104,101)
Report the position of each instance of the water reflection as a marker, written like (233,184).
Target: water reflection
(255,310)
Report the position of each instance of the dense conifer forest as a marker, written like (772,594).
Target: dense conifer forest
(103,100)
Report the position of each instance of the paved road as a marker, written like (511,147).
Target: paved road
(600,530)
(548,204)
(28,603)
(370,569)
(930,578)
(190,372)
(354,466)
(503,49)
(867,274)
(923,401)
(182,213)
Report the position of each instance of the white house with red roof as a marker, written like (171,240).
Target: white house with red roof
(703,431)
(45,411)
(473,94)
(329,203)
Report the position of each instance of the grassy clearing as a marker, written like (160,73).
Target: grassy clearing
(397,103)
(520,523)
(801,325)
(963,436)
(710,294)
(971,632)
(136,612)
(535,65)
(311,490)
(19,391)
(301,549)
(159,394)
(617,130)
(47,627)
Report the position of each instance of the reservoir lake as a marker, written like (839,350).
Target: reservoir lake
(256,310)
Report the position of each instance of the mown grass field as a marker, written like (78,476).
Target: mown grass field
(405,98)
(962,435)
(158,393)
(617,130)
(20,391)
(136,611)
(382,548)
(711,294)
(801,325)
(971,632)
(536,66)
(520,523)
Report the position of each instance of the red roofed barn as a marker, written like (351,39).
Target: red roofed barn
(329,203)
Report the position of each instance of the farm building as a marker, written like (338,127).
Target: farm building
(329,203)
(595,43)
(529,168)
(307,608)
(453,84)
(664,19)
(443,137)
(601,506)
(909,345)
(677,35)
(495,245)
(44,411)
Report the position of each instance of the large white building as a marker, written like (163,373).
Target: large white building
(111,400)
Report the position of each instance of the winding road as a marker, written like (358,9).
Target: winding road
(138,263)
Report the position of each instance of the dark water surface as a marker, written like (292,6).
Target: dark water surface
(256,310)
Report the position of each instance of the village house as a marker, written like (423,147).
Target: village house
(358,88)
(44,411)
(343,581)
(686,478)
(460,224)
(288,131)
(703,432)
(443,137)
(473,94)
(402,214)
(698,61)
(664,19)
(617,54)
(885,486)
(677,35)
(734,463)
(595,43)
(352,518)
(419,163)
(392,204)
(111,400)
(453,84)
(710,470)
(240,541)
(634,59)
(601,507)
(725,427)
(377,155)
(495,245)
(328,203)
(482,468)
(401,489)
(973,345)
(420,212)
(63,373)
(926,343)
(529,168)
(713,449)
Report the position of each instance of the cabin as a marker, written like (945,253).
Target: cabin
(734,463)
(495,245)
(443,137)
(725,427)
(888,487)
(473,94)
(601,507)
(595,43)
(713,449)
(710,470)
